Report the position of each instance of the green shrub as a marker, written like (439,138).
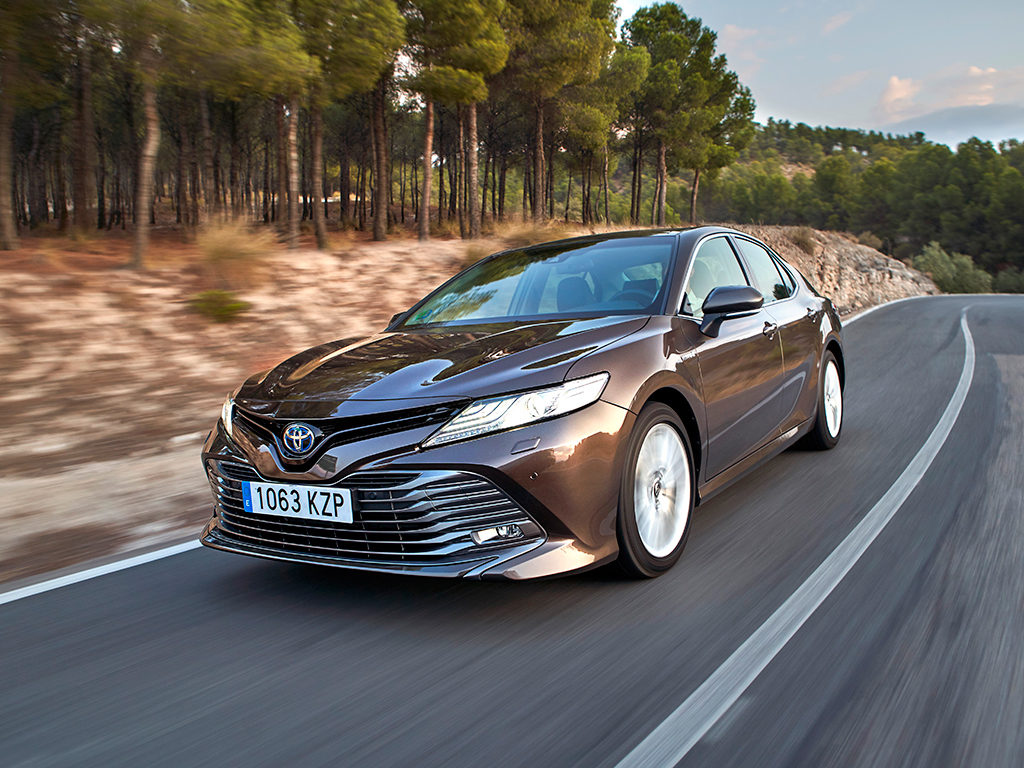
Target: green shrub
(870,239)
(1010,280)
(952,274)
(803,238)
(219,306)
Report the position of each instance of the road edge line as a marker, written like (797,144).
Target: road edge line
(100,570)
(678,733)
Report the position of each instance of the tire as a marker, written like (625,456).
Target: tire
(828,421)
(658,469)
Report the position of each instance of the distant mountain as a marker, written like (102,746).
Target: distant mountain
(953,125)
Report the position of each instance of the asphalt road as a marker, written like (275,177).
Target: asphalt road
(915,659)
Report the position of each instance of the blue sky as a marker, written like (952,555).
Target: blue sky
(950,69)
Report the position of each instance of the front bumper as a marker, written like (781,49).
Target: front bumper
(558,481)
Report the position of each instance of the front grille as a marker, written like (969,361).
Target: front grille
(405,519)
(351,428)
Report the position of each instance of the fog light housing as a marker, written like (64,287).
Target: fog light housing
(503,532)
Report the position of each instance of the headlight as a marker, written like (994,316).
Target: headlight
(226,412)
(498,413)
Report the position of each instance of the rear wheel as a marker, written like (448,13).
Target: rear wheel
(828,422)
(656,496)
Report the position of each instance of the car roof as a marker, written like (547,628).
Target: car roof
(690,234)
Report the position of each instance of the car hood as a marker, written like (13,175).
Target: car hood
(424,365)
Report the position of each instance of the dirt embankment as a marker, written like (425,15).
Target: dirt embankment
(109,381)
(854,276)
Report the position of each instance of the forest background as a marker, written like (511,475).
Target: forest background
(447,117)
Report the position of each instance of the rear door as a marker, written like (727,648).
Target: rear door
(799,318)
(741,368)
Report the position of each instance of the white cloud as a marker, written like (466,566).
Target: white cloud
(732,35)
(951,88)
(846,82)
(741,45)
(837,21)
(897,100)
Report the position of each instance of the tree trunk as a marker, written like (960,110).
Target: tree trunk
(38,207)
(194,176)
(568,197)
(549,180)
(526,183)
(316,175)
(428,168)
(181,211)
(84,155)
(101,183)
(693,195)
(60,192)
(266,181)
(662,181)
(538,166)
(147,160)
(234,161)
(8,226)
(488,173)
(293,173)
(633,208)
(501,187)
(473,168)
(380,173)
(283,188)
(440,170)
(585,191)
(607,219)
(460,181)
(210,201)
(344,186)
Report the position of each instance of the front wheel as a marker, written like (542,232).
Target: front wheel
(657,493)
(828,422)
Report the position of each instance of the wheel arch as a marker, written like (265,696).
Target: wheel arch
(677,401)
(833,346)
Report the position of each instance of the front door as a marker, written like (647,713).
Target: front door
(741,369)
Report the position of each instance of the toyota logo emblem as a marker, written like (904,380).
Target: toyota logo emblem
(299,438)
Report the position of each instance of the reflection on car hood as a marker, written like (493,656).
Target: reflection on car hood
(441,363)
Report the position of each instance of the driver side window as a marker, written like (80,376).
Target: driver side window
(714,265)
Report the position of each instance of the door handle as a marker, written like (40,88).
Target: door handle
(812,314)
(769,329)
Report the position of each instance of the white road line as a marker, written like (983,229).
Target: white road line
(120,565)
(667,744)
(865,312)
(92,573)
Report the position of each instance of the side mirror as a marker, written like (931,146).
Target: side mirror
(728,300)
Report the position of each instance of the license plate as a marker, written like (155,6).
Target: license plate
(306,501)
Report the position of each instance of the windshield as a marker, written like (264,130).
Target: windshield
(616,277)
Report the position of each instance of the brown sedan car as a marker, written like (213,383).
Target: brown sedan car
(548,410)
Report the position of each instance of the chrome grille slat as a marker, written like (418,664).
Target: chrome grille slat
(419,518)
(379,531)
(443,537)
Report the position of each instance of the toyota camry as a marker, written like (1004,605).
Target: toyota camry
(548,410)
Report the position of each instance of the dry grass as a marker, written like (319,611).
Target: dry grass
(472,253)
(870,239)
(803,238)
(234,256)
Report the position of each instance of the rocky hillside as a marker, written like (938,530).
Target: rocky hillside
(854,276)
(109,380)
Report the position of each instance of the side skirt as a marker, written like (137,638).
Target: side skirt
(729,476)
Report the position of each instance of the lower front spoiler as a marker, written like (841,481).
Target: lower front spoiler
(536,559)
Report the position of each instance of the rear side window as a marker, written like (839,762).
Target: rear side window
(764,272)
(714,265)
